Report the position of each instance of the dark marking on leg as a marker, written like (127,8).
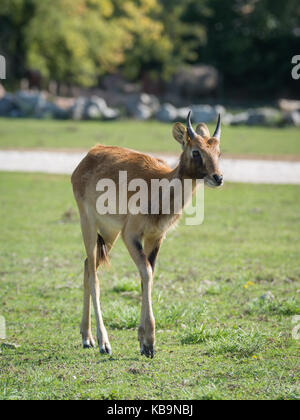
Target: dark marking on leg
(152,257)
(139,247)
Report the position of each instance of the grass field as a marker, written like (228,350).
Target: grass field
(143,136)
(216,339)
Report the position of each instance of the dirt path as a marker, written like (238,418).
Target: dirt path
(163,155)
(244,170)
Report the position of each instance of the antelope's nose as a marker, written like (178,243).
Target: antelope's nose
(218,179)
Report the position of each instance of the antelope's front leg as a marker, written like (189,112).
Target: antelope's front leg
(146,332)
(152,247)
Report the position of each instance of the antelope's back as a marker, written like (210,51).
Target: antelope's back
(107,161)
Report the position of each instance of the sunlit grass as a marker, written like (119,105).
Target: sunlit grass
(144,136)
(225,294)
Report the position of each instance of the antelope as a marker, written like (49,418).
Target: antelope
(142,234)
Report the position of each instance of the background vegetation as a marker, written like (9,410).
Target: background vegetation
(76,41)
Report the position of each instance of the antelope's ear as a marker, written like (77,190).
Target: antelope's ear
(203,130)
(180,133)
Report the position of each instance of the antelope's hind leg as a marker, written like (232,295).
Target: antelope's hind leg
(92,242)
(85,328)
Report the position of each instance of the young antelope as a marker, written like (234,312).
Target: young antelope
(142,234)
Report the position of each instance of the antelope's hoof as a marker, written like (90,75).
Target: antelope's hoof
(147,351)
(106,349)
(88,343)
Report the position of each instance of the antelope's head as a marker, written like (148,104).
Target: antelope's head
(201,151)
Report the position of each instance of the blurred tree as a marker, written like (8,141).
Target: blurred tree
(186,35)
(14,18)
(74,40)
(250,41)
(150,49)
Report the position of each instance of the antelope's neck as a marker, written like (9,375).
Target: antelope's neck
(188,184)
(181,172)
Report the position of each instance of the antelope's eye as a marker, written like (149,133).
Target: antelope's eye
(196,153)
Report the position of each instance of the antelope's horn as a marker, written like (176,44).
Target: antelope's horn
(217,133)
(192,134)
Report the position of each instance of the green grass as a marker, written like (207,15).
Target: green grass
(279,307)
(144,136)
(216,337)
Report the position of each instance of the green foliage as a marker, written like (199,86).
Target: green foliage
(247,40)
(150,47)
(14,17)
(76,41)
(83,45)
